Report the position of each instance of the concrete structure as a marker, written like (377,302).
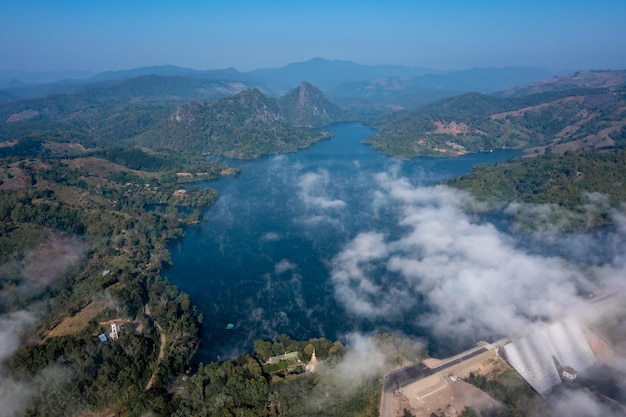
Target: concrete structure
(114,331)
(533,356)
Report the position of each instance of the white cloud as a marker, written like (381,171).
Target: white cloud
(363,360)
(581,403)
(270,237)
(13,394)
(476,280)
(12,326)
(313,186)
(283,266)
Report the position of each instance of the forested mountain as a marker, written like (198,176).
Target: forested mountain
(582,118)
(577,189)
(363,89)
(147,88)
(306,106)
(369,90)
(10,78)
(175,81)
(152,108)
(247,125)
(387,94)
(175,112)
(107,113)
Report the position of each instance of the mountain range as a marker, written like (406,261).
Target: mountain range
(367,89)
(415,110)
(241,124)
(553,121)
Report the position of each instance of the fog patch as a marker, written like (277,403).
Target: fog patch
(476,281)
(366,358)
(312,190)
(50,259)
(284,266)
(596,202)
(12,328)
(617,244)
(270,237)
(46,262)
(552,218)
(24,280)
(542,218)
(13,394)
(580,403)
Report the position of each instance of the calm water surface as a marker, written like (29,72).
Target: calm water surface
(261,261)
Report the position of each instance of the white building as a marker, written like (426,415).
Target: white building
(114,331)
(569,373)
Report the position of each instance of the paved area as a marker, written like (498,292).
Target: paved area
(421,388)
(451,397)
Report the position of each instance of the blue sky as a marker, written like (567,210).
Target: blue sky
(97,35)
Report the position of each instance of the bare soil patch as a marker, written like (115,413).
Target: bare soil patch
(444,393)
(455,128)
(450,400)
(521,112)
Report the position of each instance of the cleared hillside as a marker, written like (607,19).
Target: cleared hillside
(581,118)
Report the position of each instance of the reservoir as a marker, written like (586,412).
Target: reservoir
(263,260)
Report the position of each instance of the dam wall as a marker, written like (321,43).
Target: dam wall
(533,356)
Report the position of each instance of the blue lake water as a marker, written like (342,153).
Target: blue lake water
(262,260)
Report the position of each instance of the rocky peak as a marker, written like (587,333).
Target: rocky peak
(307,94)
(306,106)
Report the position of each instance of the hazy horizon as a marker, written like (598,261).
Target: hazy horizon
(36,77)
(114,35)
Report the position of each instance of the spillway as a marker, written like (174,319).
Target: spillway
(533,356)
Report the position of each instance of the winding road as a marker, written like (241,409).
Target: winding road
(161,349)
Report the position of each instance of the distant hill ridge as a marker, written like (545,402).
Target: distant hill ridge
(586,79)
(338,80)
(562,114)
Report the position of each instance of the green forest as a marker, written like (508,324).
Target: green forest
(102,219)
(538,123)
(583,189)
(105,251)
(245,125)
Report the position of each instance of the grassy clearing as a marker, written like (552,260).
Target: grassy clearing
(79,321)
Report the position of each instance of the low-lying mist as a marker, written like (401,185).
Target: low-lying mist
(25,280)
(478,281)
(338,239)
